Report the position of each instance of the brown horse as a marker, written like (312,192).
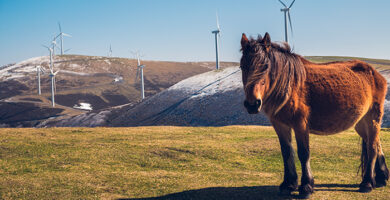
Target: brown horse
(321,99)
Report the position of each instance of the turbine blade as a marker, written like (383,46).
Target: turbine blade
(217,21)
(292,4)
(59,26)
(67,50)
(57,36)
(282,3)
(289,19)
(67,35)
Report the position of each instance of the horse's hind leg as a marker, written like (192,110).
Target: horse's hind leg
(381,170)
(368,128)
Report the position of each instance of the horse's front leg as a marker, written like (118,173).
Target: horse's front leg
(290,181)
(307,180)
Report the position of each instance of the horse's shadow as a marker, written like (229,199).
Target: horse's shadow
(256,192)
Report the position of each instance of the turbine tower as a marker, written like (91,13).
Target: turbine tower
(217,36)
(52,76)
(140,73)
(61,35)
(110,52)
(286,11)
(39,70)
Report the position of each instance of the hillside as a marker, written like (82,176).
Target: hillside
(181,94)
(213,98)
(96,82)
(234,162)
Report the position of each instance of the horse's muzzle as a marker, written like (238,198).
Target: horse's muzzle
(253,108)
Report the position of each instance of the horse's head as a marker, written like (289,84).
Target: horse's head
(254,66)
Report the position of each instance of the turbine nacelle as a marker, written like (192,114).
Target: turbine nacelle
(53,73)
(285,9)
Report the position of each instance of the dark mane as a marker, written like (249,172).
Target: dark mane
(285,71)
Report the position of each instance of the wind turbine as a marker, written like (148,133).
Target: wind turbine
(286,11)
(39,70)
(52,75)
(140,72)
(61,35)
(217,35)
(54,45)
(110,52)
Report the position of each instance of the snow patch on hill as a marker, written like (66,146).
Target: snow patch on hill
(210,99)
(210,83)
(19,70)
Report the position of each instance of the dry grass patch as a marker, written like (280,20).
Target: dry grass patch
(182,162)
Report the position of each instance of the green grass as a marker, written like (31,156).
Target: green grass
(379,64)
(171,162)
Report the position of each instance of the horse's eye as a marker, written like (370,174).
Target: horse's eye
(264,67)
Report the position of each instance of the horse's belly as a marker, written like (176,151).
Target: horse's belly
(337,106)
(335,123)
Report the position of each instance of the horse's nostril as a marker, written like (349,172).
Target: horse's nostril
(255,104)
(258,103)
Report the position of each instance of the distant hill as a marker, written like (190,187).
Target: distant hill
(182,94)
(101,82)
(213,98)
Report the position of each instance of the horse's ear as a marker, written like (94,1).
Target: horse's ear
(259,38)
(244,41)
(267,41)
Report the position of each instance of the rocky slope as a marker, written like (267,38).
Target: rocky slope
(83,83)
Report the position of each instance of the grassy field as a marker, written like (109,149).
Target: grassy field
(379,64)
(236,162)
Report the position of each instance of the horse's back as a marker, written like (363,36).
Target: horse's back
(340,93)
(376,81)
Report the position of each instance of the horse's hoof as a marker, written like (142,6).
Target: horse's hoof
(304,196)
(380,184)
(365,188)
(286,189)
(305,191)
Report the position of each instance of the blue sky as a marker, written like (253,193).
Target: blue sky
(180,30)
